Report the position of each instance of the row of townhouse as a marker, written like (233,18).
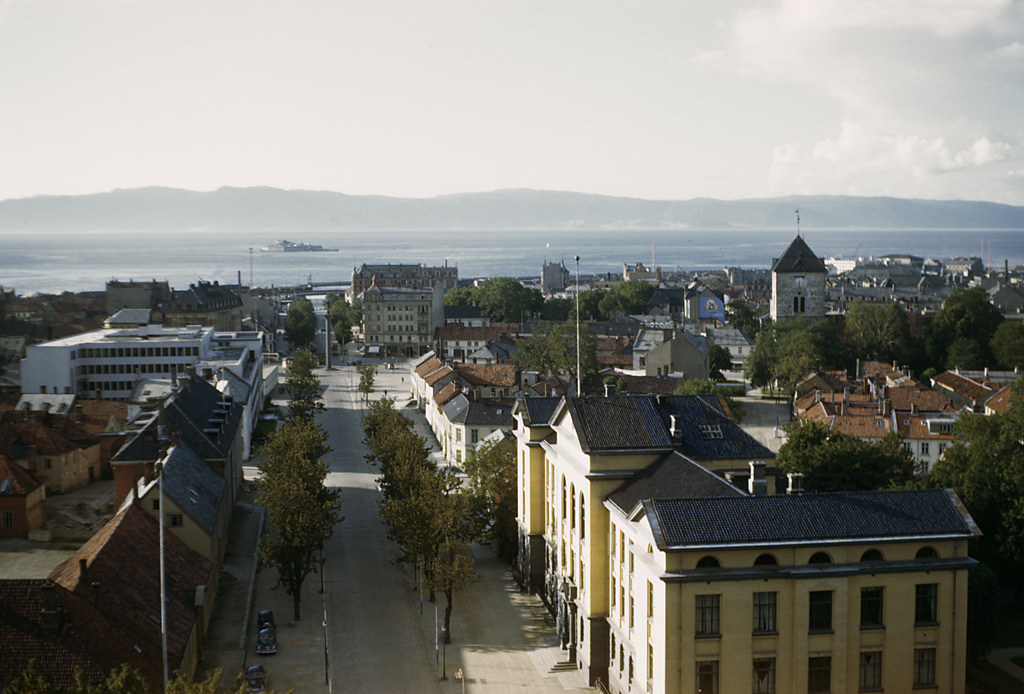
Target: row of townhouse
(463,403)
(180,463)
(675,560)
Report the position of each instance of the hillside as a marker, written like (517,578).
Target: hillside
(272,209)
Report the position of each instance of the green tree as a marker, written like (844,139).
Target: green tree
(506,300)
(985,466)
(492,474)
(367,372)
(428,513)
(1008,345)
(460,296)
(303,387)
(590,304)
(300,323)
(786,352)
(719,360)
(343,316)
(879,331)
(625,298)
(551,350)
(557,310)
(301,511)
(744,317)
(832,461)
(966,315)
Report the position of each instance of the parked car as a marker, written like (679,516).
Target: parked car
(265,620)
(256,679)
(266,642)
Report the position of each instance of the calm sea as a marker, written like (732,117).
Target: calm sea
(85,261)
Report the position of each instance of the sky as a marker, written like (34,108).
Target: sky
(655,99)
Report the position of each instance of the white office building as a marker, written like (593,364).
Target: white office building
(107,363)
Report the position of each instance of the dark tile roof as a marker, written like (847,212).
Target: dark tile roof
(644,422)
(783,518)
(496,414)
(462,312)
(671,476)
(538,410)
(617,423)
(706,432)
(23,637)
(195,486)
(798,257)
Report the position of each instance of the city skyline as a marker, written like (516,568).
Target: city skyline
(653,100)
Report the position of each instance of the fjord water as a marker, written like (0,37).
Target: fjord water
(51,262)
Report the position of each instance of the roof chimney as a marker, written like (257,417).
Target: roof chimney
(757,484)
(796,482)
(607,387)
(51,614)
(83,567)
(674,429)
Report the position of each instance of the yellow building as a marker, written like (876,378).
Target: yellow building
(664,577)
(572,454)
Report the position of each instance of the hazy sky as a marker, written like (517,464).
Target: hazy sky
(666,99)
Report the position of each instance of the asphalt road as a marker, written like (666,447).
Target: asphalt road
(374,638)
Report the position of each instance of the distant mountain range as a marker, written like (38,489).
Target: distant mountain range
(276,210)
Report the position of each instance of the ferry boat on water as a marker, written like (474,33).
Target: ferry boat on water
(283,246)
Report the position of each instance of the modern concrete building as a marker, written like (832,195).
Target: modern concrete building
(107,363)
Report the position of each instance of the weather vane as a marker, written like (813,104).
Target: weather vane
(797,222)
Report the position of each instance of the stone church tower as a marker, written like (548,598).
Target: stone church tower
(798,283)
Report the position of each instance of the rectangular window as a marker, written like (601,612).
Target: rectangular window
(924,667)
(707,676)
(924,448)
(650,600)
(820,615)
(925,605)
(819,675)
(707,615)
(871,607)
(7,520)
(474,436)
(176,520)
(764,675)
(871,671)
(764,612)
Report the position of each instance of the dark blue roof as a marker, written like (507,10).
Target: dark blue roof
(539,410)
(639,422)
(799,257)
(195,486)
(783,518)
(671,476)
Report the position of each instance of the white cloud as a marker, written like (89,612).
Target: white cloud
(1012,51)
(868,160)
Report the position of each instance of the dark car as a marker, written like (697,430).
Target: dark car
(265,620)
(266,642)
(256,679)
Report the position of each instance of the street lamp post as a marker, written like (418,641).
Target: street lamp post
(444,654)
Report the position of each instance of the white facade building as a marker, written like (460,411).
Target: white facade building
(107,363)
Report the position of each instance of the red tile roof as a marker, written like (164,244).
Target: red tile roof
(496,375)
(429,366)
(921,399)
(1001,401)
(117,596)
(22,482)
(966,387)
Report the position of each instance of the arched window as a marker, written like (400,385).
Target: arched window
(766,560)
(926,553)
(820,558)
(796,304)
(801,304)
(708,563)
(583,518)
(872,555)
(572,506)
